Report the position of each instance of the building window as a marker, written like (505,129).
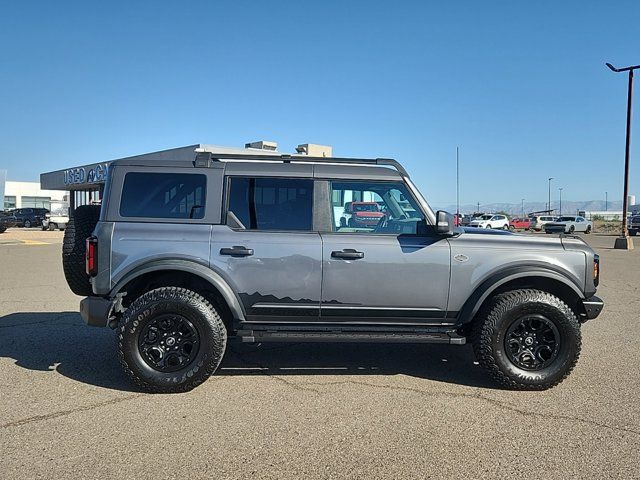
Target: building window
(9,202)
(36,202)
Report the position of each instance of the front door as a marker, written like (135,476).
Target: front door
(268,251)
(379,269)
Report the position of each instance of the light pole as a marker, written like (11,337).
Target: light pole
(523,208)
(560,200)
(549,203)
(624,242)
(606,201)
(457,186)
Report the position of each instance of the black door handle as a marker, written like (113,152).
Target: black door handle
(347,254)
(237,251)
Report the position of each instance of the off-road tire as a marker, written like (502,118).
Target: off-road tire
(493,322)
(79,228)
(202,315)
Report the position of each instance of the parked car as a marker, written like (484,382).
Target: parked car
(29,217)
(633,225)
(7,220)
(57,219)
(569,224)
(520,224)
(539,221)
(500,222)
(362,214)
(266,261)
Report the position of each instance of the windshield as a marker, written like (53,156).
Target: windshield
(59,210)
(486,217)
(365,207)
(567,219)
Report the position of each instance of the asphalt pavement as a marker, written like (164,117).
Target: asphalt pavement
(305,410)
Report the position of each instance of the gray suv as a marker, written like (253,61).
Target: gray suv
(193,249)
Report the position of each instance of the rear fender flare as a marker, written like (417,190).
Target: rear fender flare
(190,267)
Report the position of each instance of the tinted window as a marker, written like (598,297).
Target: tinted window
(270,203)
(163,195)
(375,208)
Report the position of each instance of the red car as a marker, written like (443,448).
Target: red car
(362,214)
(520,224)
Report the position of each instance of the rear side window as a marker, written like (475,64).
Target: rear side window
(163,195)
(270,203)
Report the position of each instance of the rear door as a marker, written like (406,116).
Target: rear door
(390,273)
(267,247)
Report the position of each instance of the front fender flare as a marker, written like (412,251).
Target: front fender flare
(190,267)
(496,280)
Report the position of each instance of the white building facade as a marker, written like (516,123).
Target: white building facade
(30,195)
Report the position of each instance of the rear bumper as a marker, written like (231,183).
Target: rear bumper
(96,311)
(592,307)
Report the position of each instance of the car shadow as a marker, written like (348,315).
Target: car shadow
(61,342)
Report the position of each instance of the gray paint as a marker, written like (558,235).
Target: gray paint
(292,277)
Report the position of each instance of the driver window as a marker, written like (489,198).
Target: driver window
(374,208)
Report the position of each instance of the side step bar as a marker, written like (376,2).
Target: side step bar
(259,336)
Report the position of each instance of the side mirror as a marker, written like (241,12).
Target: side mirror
(444,223)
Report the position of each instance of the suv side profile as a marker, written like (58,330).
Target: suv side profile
(190,251)
(29,217)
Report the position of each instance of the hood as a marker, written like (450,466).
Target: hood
(486,231)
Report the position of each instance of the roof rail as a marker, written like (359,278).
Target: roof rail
(204,159)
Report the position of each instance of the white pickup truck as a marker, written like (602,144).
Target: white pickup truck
(57,218)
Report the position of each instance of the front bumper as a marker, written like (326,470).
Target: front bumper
(96,311)
(592,307)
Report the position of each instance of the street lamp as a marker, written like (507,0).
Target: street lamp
(523,208)
(606,201)
(560,200)
(549,203)
(624,242)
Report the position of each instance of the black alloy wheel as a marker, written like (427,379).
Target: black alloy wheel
(169,343)
(532,342)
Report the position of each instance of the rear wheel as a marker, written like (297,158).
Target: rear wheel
(52,226)
(79,228)
(527,340)
(171,340)
(588,230)
(27,224)
(3,229)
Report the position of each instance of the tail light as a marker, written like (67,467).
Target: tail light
(91,263)
(596,270)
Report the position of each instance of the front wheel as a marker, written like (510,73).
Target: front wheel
(171,340)
(588,230)
(27,224)
(527,339)
(572,229)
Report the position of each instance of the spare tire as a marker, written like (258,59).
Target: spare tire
(79,228)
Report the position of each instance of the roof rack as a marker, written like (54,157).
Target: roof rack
(204,159)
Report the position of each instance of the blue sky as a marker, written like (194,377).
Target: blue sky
(521,87)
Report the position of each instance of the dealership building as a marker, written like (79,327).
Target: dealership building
(27,194)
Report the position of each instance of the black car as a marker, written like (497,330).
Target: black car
(634,225)
(7,220)
(29,217)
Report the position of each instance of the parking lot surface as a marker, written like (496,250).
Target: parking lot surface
(305,410)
